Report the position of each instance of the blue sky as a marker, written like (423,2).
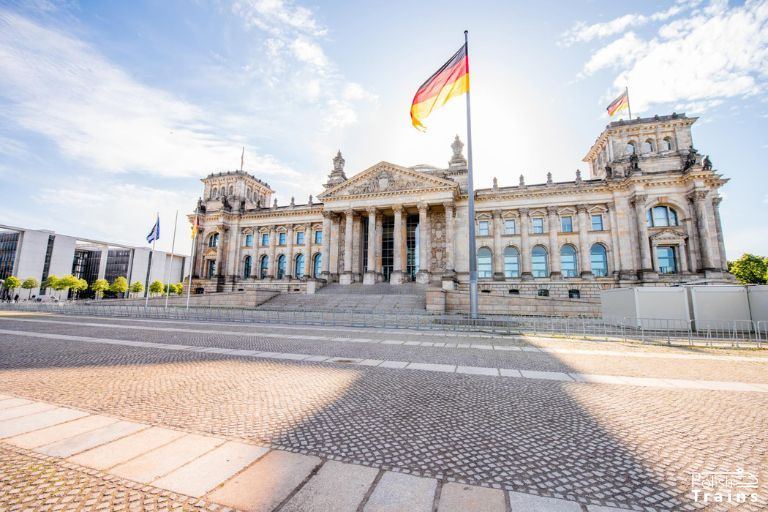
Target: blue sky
(110,111)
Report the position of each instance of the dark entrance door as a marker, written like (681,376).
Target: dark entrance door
(387,246)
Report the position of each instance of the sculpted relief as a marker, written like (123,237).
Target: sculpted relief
(383,181)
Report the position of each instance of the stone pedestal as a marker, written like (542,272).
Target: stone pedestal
(448,283)
(397,277)
(498,276)
(422,276)
(587,275)
(526,276)
(647,275)
(345,278)
(369,278)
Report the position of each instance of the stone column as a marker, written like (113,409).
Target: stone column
(450,265)
(720,240)
(308,251)
(698,197)
(289,253)
(647,269)
(220,252)
(335,245)
(585,264)
(682,257)
(370,273)
(423,275)
(325,250)
(498,248)
(346,277)
(398,273)
(615,251)
(555,270)
(272,245)
(525,244)
(379,244)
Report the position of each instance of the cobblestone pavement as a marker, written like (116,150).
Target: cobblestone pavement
(613,445)
(30,481)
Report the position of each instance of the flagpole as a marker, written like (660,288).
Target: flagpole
(471,192)
(191,265)
(149,267)
(629,107)
(173,247)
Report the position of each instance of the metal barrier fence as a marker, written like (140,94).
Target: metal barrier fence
(734,333)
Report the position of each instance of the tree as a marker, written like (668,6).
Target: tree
(137,287)
(50,282)
(156,287)
(66,282)
(11,283)
(749,269)
(119,285)
(99,286)
(82,285)
(30,284)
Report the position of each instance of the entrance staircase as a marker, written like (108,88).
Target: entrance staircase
(355,298)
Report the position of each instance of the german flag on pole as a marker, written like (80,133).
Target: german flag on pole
(450,80)
(195,227)
(619,104)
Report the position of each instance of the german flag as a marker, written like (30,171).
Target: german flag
(452,79)
(195,228)
(619,104)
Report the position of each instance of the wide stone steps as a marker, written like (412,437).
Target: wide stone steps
(352,303)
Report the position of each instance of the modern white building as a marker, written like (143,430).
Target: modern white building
(37,253)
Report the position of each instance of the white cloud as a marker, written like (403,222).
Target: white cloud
(309,52)
(583,32)
(277,16)
(718,52)
(100,116)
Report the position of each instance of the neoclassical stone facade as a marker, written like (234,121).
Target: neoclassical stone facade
(647,215)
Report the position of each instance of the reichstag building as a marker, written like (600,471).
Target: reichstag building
(647,214)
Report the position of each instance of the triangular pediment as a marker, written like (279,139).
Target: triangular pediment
(385,178)
(668,235)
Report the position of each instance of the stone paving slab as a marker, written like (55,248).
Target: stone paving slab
(337,487)
(122,450)
(430,367)
(520,502)
(158,463)
(209,470)
(530,374)
(24,410)
(264,485)
(88,440)
(478,370)
(57,432)
(8,403)
(397,492)
(16,426)
(466,498)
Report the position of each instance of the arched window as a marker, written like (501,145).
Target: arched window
(213,240)
(247,267)
(631,148)
(214,191)
(263,267)
(298,271)
(317,265)
(647,146)
(281,266)
(484,263)
(231,190)
(599,260)
(661,216)
(568,261)
(511,262)
(539,263)
(666,144)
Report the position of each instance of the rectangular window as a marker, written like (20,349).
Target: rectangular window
(597,222)
(509,227)
(667,260)
(538,225)
(300,238)
(566,224)
(264,239)
(318,237)
(249,240)
(483,228)
(281,239)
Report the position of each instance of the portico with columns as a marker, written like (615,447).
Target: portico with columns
(647,215)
